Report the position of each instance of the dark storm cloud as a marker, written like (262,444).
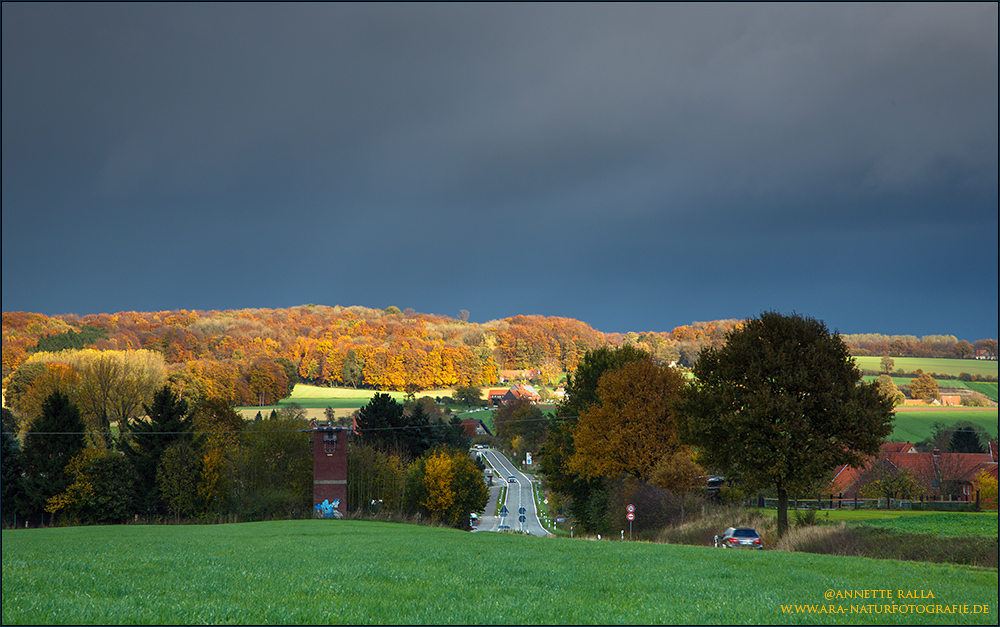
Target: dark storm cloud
(634,166)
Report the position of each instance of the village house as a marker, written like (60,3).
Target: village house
(520,392)
(943,476)
(474,427)
(517,392)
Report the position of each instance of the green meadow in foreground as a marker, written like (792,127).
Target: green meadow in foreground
(321,572)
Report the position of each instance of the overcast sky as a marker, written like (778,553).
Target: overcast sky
(636,167)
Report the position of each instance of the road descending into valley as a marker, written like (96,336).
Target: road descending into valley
(519,495)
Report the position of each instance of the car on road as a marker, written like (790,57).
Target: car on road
(511,479)
(739,538)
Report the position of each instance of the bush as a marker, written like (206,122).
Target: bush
(975,400)
(807,519)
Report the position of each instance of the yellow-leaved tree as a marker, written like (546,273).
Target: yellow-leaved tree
(446,485)
(630,430)
(987,487)
(440,497)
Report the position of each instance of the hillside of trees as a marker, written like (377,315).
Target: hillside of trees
(255,356)
(248,357)
(930,346)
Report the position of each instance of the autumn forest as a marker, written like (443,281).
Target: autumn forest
(254,356)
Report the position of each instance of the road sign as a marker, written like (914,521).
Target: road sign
(521,518)
(504,511)
(631,509)
(521,510)
(630,516)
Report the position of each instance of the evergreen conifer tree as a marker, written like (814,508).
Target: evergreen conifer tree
(169,421)
(51,441)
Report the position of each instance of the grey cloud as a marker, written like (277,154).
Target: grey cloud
(671,128)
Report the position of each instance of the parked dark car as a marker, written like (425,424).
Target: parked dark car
(739,538)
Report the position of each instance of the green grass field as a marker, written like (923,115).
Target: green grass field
(314,396)
(986,388)
(940,523)
(355,572)
(314,399)
(953,367)
(910,521)
(983,387)
(913,424)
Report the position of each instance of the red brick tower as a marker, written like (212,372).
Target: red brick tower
(329,469)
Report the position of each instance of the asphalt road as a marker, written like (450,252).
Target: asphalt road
(519,495)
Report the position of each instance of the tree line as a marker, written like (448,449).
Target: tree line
(175,461)
(248,355)
(407,461)
(345,346)
(205,462)
(777,405)
(928,346)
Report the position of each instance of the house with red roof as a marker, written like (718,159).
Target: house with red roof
(944,476)
(517,392)
(521,392)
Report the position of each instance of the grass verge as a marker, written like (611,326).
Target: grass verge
(885,543)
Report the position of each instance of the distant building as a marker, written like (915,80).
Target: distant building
(474,427)
(329,469)
(944,476)
(495,395)
(520,392)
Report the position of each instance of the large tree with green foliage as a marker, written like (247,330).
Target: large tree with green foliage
(520,420)
(781,404)
(380,421)
(102,491)
(888,389)
(469,395)
(177,478)
(385,424)
(275,465)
